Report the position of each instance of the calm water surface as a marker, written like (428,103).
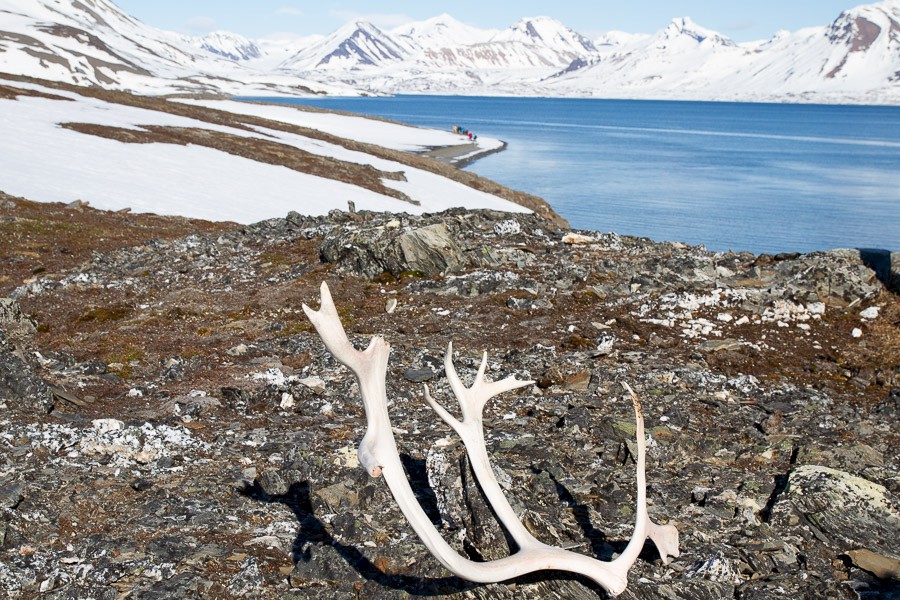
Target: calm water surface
(758,177)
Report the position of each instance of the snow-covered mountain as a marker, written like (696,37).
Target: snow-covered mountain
(546,32)
(355,45)
(93,42)
(229,45)
(442,31)
(854,59)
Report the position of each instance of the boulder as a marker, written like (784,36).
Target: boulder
(844,511)
(429,250)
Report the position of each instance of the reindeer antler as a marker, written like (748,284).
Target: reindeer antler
(378,454)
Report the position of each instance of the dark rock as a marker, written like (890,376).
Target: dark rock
(772,423)
(141,485)
(418,375)
(428,250)
(248,581)
(18,382)
(11,494)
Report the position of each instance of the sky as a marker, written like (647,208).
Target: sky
(283,19)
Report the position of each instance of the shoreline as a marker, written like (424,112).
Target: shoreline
(461,155)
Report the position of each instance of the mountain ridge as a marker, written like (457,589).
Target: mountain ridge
(854,59)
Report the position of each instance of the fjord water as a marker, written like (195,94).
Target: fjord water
(758,177)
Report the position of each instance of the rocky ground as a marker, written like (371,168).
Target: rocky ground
(172,427)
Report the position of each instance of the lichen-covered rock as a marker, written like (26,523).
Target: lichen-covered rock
(427,250)
(13,322)
(843,510)
(430,250)
(18,382)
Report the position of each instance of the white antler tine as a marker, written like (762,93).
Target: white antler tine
(442,412)
(456,384)
(479,377)
(328,324)
(665,538)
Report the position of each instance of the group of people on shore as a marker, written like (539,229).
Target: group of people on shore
(464,131)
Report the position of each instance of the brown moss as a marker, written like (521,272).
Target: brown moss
(104,314)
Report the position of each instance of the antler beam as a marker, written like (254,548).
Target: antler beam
(378,454)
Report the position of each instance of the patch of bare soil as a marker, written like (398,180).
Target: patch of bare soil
(41,239)
(8,92)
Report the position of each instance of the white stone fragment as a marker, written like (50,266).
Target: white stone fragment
(816,308)
(273,376)
(857,332)
(870,313)
(577,238)
(315,383)
(346,456)
(724,271)
(239,350)
(390,306)
(287,400)
(107,425)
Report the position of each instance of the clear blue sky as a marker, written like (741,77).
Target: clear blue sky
(739,19)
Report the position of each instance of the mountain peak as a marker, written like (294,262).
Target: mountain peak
(227,44)
(546,31)
(356,44)
(685,27)
(862,27)
(442,31)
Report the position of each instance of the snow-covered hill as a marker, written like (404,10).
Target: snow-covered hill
(854,59)
(241,162)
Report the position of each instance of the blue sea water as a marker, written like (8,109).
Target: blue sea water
(740,176)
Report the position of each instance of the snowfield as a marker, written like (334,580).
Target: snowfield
(43,161)
(397,136)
